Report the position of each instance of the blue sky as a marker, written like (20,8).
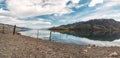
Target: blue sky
(48,13)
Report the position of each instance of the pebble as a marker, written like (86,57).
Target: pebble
(114,54)
(89,47)
(85,50)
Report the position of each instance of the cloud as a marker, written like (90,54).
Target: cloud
(31,8)
(109,9)
(94,2)
(75,1)
(35,24)
(1,0)
(4,11)
(100,15)
(55,9)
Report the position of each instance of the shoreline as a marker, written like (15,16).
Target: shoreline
(66,43)
(89,44)
(21,46)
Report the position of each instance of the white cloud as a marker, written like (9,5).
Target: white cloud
(36,24)
(3,11)
(7,18)
(79,6)
(113,14)
(94,2)
(30,8)
(108,5)
(75,1)
(104,11)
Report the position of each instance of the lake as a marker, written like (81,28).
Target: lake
(77,37)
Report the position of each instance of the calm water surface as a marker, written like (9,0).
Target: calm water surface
(76,37)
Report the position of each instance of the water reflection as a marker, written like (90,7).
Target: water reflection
(77,37)
(97,35)
(35,33)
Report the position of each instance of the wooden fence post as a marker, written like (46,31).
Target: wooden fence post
(37,33)
(14,29)
(60,35)
(3,31)
(50,36)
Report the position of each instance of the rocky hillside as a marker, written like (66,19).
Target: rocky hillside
(92,25)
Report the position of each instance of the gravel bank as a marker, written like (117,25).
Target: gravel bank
(19,46)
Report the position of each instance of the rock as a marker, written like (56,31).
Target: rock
(18,33)
(114,54)
(94,45)
(85,50)
(88,47)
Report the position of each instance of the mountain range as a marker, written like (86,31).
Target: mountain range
(92,25)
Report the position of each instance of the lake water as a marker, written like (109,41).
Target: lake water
(79,38)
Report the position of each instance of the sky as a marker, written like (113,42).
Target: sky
(48,13)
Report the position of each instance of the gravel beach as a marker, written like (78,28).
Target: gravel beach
(19,46)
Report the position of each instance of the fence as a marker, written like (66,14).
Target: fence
(38,33)
(7,29)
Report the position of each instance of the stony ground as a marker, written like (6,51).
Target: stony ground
(18,46)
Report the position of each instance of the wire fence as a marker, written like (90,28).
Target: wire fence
(4,29)
(38,33)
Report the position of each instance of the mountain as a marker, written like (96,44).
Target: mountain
(92,25)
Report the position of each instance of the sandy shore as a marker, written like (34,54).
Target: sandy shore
(19,46)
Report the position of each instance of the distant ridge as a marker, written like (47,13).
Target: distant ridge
(92,25)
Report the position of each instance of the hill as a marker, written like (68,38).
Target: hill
(92,25)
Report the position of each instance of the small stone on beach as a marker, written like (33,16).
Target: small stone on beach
(114,54)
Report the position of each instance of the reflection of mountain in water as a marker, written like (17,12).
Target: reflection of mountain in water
(97,29)
(102,36)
